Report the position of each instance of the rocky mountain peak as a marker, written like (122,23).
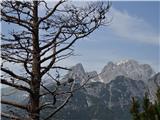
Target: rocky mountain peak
(78,67)
(93,76)
(128,68)
(78,73)
(127,61)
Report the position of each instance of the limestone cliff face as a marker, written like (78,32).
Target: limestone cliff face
(129,68)
(153,84)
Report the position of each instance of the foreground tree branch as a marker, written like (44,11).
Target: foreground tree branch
(14,75)
(19,87)
(14,117)
(14,104)
(51,12)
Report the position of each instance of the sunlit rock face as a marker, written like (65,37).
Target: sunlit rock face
(128,68)
(153,85)
(77,73)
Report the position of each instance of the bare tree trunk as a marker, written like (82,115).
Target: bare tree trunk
(59,29)
(36,77)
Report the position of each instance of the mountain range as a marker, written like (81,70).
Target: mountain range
(128,68)
(107,95)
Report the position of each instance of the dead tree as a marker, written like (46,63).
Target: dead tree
(40,34)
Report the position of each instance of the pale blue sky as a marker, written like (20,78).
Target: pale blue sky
(132,34)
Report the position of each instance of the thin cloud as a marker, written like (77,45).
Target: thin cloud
(133,28)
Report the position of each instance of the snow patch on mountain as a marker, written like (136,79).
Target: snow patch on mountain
(122,62)
(128,68)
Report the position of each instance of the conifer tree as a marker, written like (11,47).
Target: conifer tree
(135,109)
(150,111)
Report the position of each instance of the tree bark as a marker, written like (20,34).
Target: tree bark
(36,77)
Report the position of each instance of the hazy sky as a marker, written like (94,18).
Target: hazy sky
(132,34)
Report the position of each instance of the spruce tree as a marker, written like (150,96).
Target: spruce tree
(150,111)
(135,109)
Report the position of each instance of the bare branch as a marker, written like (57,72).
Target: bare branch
(51,12)
(68,46)
(15,20)
(60,67)
(14,75)
(63,104)
(12,117)
(19,87)
(14,104)
(53,41)
(52,61)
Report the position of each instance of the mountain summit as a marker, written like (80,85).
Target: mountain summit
(129,68)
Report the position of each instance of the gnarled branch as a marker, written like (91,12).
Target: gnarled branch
(14,75)
(19,87)
(15,104)
(51,12)
(12,117)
